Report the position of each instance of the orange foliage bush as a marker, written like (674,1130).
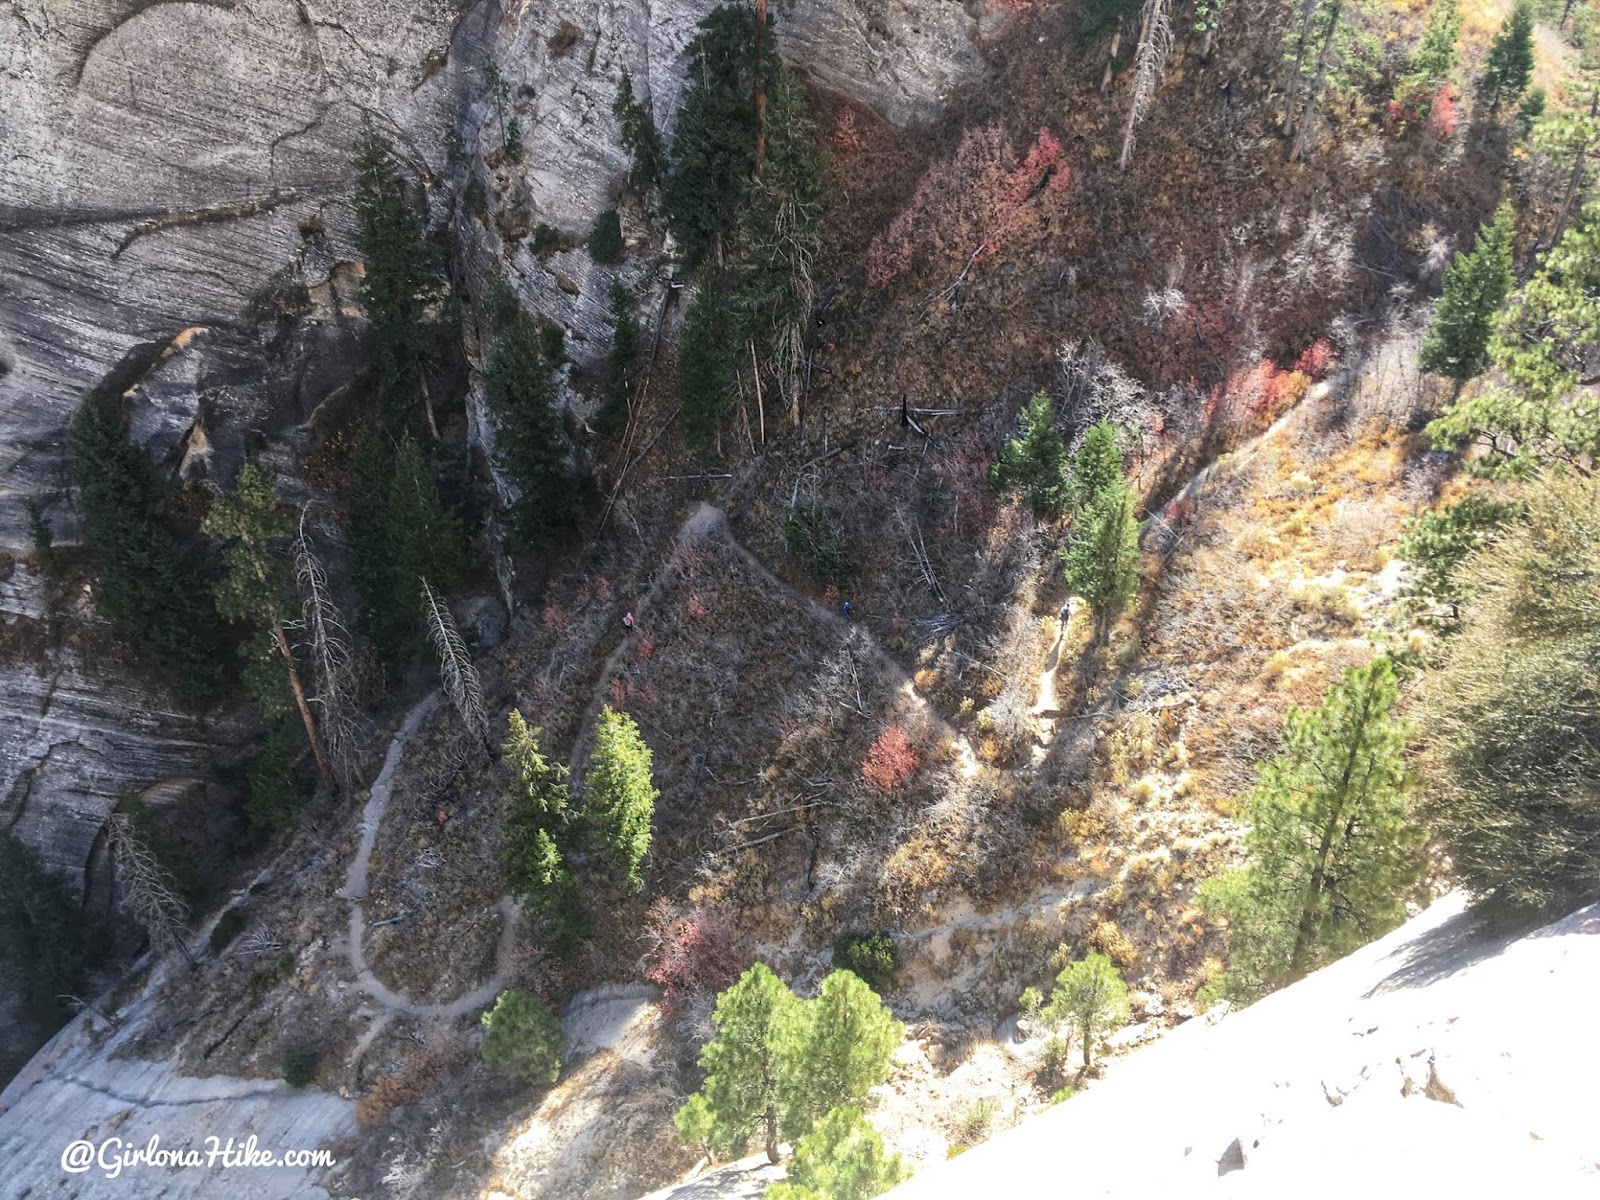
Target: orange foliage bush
(891,760)
(405,1086)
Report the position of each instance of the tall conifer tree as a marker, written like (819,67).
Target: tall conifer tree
(1476,283)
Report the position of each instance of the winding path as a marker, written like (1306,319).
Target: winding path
(707,520)
(355,890)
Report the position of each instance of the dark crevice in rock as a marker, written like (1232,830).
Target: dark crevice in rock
(300,131)
(204,216)
(25,217)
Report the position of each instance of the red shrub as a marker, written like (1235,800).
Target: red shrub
(555,618)
(687,560)
(1315,359)
(645,649)
(695,955)
(696,607)
(964,209)
(1445,117)
(891,761)
(1256,395)
(625,695)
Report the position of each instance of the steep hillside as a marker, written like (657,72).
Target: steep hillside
(880,703)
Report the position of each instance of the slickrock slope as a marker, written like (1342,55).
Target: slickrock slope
(1435,1061)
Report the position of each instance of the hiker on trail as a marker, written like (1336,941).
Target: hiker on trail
(845,607)
(627,622)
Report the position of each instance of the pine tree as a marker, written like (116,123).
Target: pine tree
(780,237)
(46,559)
(846,1037)
(1509,67)
(1514,732)
(1476,283)
(706,365)
(624,347)
(714,144)
(1431,65)
(842,1158)
(1097,466)
(639,138)
(619,797)
(1036,463)
(523,1038)
(1102,555)
(1437,54)
(1542,346)
(744,1063)
(47,945)
(605,239)
(424,538)
(400,533)
(150,586)
(366,496)
(256,589)
(272,804)
(398,281)
(777,1064)
(1434,544)
(529,447)
(1333,852)
(1089,998)
(536,818)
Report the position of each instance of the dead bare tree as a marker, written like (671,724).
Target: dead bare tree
(1149,62)
(150,890)
(326,643)
(911,530)
(459,676)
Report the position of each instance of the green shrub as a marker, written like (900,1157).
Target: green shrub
(814,538)
(872,956)
(605,239)
(522,1037)
(269,975)
(976,1119)
(229,926)
(299,1066)
(547,240)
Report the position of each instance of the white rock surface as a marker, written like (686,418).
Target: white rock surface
(1439,1061)
(74,1091)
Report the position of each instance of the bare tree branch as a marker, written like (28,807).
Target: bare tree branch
(459,676)
(326,643)
(150,890)
(1149,61)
